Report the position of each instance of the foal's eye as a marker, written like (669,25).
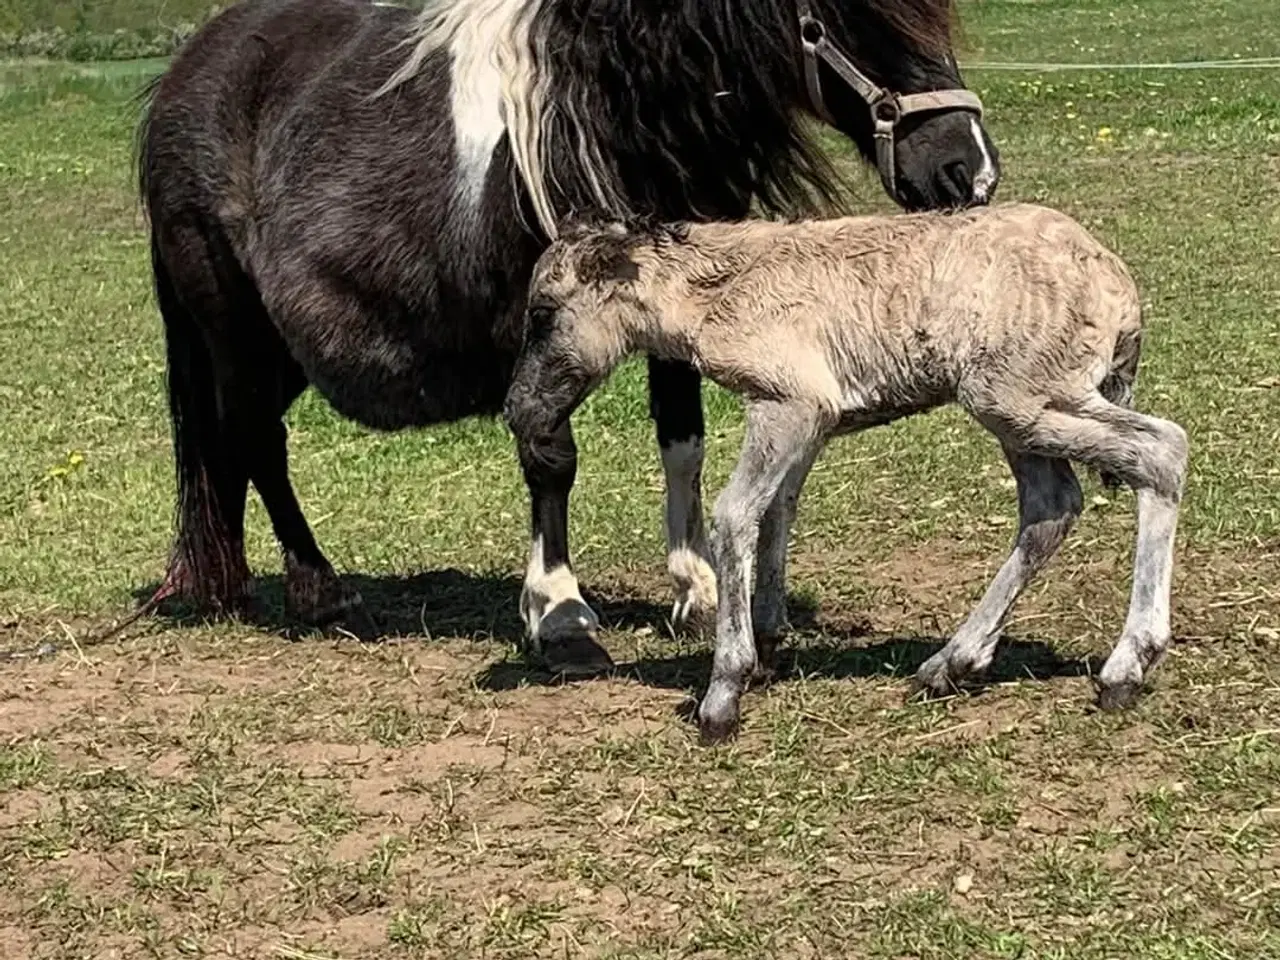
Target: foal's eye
(540,317)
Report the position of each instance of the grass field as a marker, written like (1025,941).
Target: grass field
(225,790)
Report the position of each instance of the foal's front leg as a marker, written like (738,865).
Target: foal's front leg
(675,404)
(779,438)
(562,629)
(769,604)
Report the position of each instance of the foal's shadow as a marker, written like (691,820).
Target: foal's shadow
(813,650)
(451,603)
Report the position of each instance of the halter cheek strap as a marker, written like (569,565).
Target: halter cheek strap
(887,108)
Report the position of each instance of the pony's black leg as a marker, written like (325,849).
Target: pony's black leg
(262,393)
(207,563)
(675,404)
(562,628)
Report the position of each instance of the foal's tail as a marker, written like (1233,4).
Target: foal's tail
(1117,385)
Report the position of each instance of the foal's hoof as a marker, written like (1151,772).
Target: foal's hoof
(1118,696)
(719,716)
(936,678)
(567,641)
(717,730)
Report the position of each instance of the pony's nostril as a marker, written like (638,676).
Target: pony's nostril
(959,181)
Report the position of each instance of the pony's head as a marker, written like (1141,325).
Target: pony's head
(694,109)
(884,73)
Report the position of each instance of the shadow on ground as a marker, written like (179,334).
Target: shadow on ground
(437,603)
(825,656)
(452,603)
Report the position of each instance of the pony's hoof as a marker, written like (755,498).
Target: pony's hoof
(317,597)
(765,671)
(567,641)
(1122,695)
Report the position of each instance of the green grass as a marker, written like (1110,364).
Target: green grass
(217,790)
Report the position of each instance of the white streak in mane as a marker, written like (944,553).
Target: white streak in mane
(500,81)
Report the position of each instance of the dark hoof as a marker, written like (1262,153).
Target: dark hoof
(1118,696)
(765,671)
(565,641)
(578,655)
(318,598)
(717,730)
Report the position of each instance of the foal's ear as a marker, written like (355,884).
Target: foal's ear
(575,224)
(606,257)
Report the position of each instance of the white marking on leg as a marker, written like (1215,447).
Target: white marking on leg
(551,603)
(985,178)
(688,558)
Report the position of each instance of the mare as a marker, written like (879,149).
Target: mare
(352,196)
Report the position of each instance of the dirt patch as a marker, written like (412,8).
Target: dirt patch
(368,800)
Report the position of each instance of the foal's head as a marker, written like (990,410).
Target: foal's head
(590,301)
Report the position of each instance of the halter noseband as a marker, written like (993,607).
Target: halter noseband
(887,108)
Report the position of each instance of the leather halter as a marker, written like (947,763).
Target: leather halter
(887,108)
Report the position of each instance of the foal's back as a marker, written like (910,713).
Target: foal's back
(925,296)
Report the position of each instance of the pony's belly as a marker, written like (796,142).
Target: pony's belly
(439,387)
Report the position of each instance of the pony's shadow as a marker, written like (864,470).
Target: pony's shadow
(435,603)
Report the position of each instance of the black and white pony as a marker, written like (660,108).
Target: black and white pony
(349,195)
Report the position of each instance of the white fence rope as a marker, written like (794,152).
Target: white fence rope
(1241,63)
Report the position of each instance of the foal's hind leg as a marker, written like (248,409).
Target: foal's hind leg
(1150,455)
(675,404)
(1049,501)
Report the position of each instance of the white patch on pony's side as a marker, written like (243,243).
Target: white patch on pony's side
(477,119)
(986,175)
(686,546)
(545,591)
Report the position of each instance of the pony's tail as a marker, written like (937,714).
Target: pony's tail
(1117,385)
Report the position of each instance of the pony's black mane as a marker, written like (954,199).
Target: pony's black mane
(697,135)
